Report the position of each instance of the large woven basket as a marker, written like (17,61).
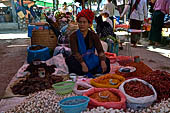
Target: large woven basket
(44,37)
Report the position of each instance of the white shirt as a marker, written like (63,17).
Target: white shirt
(65,10)
(141,11)
(110,7)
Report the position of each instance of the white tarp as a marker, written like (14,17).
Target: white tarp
(2,5)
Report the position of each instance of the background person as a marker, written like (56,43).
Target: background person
(84,41)
(138,12)
(106,18)
(65,8)
(161,8)
(111,8)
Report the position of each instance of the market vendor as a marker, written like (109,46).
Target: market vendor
(65,8)
(83,43)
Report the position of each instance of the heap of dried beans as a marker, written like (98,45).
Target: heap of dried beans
(160,80)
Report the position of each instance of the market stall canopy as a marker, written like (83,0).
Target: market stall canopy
(2,5)
(49,3)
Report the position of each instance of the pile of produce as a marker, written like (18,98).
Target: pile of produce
(82,88)
(141,70)
(40,102)
(40,78)
(107,81)
(37,47)
(105,96)
(137,89)
(160,80)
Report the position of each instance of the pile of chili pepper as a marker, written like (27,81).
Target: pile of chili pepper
(141,70)
(137,89)
(160,80)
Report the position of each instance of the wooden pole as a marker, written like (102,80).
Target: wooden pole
(83,4)
(57,5)
(14,16)
(89,1)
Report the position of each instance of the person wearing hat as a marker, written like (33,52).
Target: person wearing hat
(111,8)
(83,42)
(106,15)
(65,9)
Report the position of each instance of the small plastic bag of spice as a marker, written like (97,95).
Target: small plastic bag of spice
(81,87)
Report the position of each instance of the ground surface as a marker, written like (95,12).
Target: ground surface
(13,54)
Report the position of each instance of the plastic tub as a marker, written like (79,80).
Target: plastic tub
(64,87)
(41,54)
(75,104)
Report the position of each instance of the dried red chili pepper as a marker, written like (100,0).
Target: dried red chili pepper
(141,70)
(137,89)
(160,80)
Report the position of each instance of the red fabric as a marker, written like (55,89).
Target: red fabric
(122,26)
(88,14)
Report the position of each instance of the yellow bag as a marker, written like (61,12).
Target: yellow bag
(107,81)
(21,14)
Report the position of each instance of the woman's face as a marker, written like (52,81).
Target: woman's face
(83,24)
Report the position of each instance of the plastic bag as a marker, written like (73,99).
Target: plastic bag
(62,49)
(59,62)
(83,84)
(140,102)
(115,105)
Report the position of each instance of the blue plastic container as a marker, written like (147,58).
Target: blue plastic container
(72,107)
(42,54)
(117,19)
(114,48)
(30,28)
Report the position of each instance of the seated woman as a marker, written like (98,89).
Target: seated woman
(83,42)
(103,28)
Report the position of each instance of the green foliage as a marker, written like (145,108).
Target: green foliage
(115,40)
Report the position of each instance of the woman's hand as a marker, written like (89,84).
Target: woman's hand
(104,66)
(84,67)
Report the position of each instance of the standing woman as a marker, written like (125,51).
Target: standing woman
(161,8)
(138,12)
(111,8)
(83,42)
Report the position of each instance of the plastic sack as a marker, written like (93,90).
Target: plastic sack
(123,60)
(83,84)
(115,66)
(62,49)
(115,105)
(97,81)
(111,57)
(59,62)
(140,102)
(20,72)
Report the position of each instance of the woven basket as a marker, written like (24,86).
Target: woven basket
(64,87)
(44,37)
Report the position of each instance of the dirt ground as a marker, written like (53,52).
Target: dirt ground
(13,54)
